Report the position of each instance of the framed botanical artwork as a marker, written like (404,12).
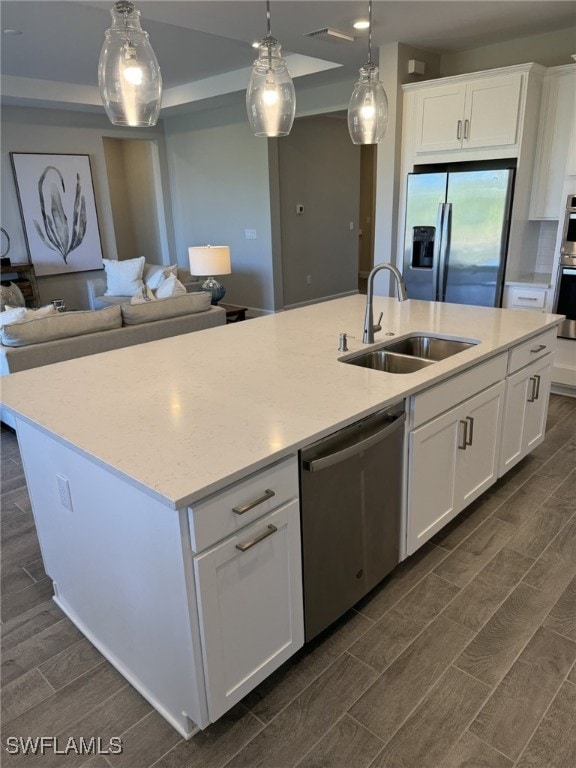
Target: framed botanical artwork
(56,198)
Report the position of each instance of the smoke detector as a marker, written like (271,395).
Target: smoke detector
(327,33)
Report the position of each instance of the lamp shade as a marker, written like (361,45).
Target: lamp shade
(209,260)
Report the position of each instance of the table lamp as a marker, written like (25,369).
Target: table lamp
(210,260)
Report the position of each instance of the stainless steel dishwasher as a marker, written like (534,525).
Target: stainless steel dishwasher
(351,495)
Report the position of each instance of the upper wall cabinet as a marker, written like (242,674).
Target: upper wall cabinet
(467,117)
(481,113)
(556,147)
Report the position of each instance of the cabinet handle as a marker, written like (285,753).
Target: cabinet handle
(537,395)
(466,129)
(459,130)
(528,298)
(469,439)
(539,348)
(251,504)
(248,544)
(464,442)
(532,396)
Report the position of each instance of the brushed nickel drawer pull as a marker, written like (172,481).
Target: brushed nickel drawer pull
(539,348)
(532,396)
(469,439)
(464,442)
(537,395)
(240,510)
(528,298)
(459,130)
(248,544)
(466,129)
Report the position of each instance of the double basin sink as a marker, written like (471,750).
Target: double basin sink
(410,353)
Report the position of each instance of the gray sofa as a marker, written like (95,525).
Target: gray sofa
(76,334)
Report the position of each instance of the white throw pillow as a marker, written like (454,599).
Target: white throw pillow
(143,295)
(123,278)
(23,314)
(154,274)
(12,315)
(170,287)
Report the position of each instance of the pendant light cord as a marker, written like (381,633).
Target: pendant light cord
(268,25)
(370,64)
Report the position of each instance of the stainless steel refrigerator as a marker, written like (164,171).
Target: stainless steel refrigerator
(456,235)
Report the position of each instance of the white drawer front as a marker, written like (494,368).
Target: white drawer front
(449,393)
(526,298)
(531,350)
(227,511)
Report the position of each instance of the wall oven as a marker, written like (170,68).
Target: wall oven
(566,297)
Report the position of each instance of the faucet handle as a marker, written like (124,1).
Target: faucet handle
(378,327)
(342,342)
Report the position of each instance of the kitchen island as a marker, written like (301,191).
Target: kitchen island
(135,458)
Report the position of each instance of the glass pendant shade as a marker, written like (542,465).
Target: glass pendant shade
(128,73)
(270,96)
(368,108)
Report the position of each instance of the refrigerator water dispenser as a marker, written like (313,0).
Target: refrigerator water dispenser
(423,247)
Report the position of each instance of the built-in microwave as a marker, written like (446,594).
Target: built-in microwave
(568,247)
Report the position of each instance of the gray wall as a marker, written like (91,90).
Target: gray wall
(220,188)
(550,49)
(319,168)
(54,132)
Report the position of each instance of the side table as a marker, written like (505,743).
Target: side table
(25,280)
(234,314)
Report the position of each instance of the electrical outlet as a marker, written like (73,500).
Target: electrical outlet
(308,279)
(64,492)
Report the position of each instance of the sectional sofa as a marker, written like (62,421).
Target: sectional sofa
(67,335)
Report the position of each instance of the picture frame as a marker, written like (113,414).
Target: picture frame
(56,198)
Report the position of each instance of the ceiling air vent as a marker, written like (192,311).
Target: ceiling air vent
(327,33)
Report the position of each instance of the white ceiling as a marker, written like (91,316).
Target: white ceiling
(204,48)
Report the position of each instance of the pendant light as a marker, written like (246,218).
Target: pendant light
(270,97)
(128,73)
(368,107)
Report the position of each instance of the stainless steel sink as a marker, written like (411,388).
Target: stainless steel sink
(428,347)
(382,360)
(409,354)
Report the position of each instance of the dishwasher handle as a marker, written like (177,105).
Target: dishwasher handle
(315,465)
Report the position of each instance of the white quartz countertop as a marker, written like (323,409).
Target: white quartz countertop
(183,417)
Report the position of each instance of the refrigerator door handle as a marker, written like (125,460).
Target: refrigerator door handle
(443,252)
(438,250)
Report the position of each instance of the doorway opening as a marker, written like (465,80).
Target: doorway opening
(138,215)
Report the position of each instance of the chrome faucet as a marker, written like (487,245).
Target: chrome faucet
(369,327)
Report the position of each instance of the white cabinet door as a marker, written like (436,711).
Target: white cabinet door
(452,460)
(492,111)
(432,477)
(249,592)
(555,157)
(477,460)
(537,403)
(526,407)
(468,115)
(439,116)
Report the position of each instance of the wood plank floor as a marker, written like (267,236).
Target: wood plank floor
(464,657)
